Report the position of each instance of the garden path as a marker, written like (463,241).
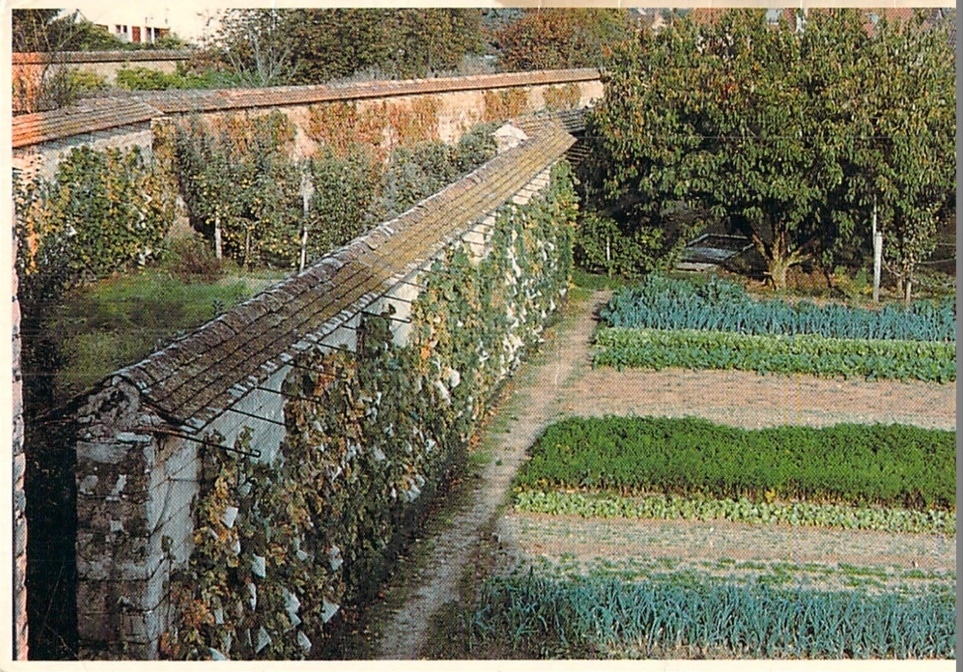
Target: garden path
(560,382)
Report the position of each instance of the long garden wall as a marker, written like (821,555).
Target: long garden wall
(240,490)
(385,113)
(382,113)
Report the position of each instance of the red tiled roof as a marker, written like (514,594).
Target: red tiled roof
(94,114)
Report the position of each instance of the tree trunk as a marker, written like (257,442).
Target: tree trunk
(218,250)
(907,291)
(304,248)
(778,270)
(777,255)
(877,255)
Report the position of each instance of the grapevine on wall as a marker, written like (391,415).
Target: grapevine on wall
(285,551)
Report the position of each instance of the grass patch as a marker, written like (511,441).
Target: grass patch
(598,281)
(119,321)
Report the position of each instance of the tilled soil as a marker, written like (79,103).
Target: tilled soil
(561,382)
(559,537)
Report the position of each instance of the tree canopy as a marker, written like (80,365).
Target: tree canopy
(785,134)
(311,46)
(541,39)
(44,30)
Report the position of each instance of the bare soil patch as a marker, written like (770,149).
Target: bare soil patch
(560,537)
(748,400)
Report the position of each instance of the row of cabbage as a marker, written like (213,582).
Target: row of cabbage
(741,510)
(605,617)
(928,361)
(659,302)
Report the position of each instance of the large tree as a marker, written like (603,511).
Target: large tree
(312,46)
(760,126)
(541,39)
(905,156)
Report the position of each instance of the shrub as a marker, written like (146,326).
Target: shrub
(103,212)
(192,259)
(606,246)
(416,172)
(147,79)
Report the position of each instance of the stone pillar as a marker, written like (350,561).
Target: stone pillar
(135,490)
(19,499)
(117,569)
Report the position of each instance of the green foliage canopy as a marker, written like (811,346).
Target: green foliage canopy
(43,30)
(773,129)
(906,165)
(312,46)
(542,39)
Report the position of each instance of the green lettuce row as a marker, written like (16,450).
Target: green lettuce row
(667,303)
(604,617)
(662,507)
(898,466)
(809,354)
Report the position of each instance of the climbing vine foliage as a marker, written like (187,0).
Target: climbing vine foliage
(285,552)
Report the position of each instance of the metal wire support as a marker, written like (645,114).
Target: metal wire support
(256,454)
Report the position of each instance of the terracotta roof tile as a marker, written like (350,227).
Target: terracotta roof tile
(95,114)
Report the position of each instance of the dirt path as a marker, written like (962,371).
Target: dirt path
(533,404)
(560,382)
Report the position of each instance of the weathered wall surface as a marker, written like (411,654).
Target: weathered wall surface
(103,63)
(170,450)
(385,113)
(20,648)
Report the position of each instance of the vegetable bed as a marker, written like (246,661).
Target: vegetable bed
(882,465)
(595,616)
(929,361)
(665,303)
(665,322)
(669,507)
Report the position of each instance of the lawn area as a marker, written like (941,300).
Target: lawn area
(118,321)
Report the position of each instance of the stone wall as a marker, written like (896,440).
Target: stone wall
(19,549)
(42,160)
(142,435)
(403,111)
(103,63)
